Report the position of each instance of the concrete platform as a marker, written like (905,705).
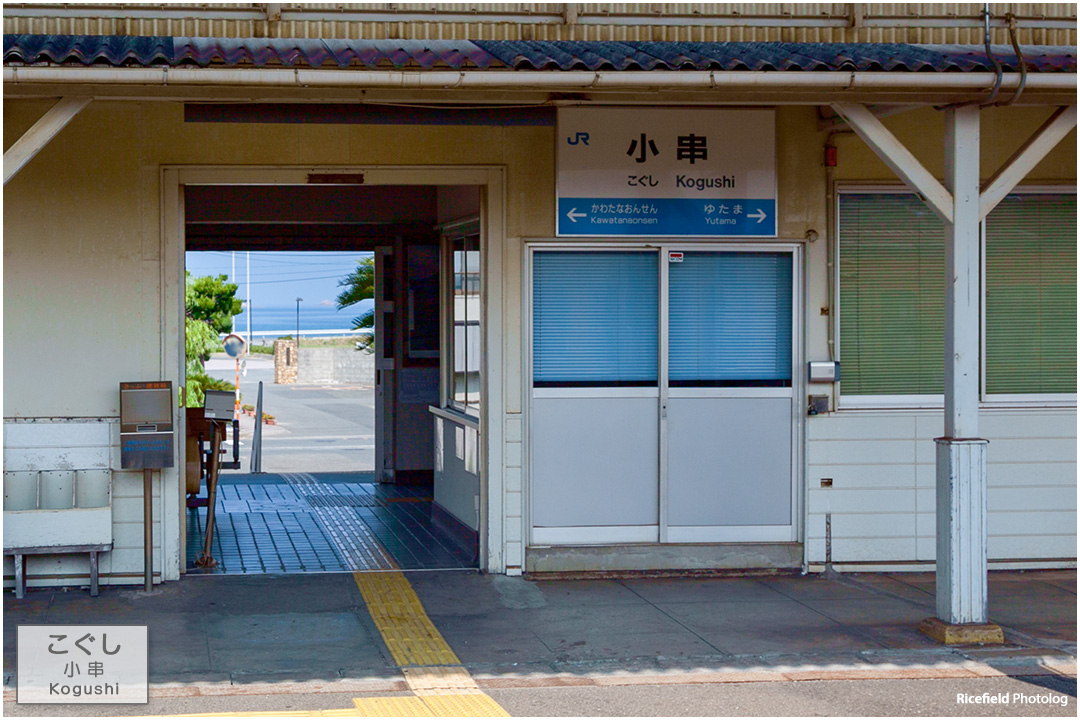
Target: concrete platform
(277,633)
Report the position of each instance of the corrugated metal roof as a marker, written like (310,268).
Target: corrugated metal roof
(525,55)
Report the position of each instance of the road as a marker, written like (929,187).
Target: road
(320,428)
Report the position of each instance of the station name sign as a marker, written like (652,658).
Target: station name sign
(666,172)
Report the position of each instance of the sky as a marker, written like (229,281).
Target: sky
(278,278)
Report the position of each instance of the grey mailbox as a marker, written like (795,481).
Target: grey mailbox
(146,425)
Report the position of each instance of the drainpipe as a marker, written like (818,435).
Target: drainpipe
(989,53)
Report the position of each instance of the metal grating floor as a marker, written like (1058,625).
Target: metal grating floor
(304,522)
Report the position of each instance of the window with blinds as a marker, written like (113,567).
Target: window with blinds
(595,319)
(730,320)
(1031,295)
(892,293)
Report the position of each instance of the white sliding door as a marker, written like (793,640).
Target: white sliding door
(729,409)
(595,437)
(662,405)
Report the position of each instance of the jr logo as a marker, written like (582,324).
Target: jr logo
(581,137)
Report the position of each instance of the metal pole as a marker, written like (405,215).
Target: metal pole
(298,301)
(148,529)
(256,440)
(247,292)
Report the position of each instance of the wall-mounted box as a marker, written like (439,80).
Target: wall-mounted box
(824,371)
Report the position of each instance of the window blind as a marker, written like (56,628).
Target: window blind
(1031,295)
(595,318)
(892,295)
(729,319)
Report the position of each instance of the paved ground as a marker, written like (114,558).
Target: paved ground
(465,643)
(320,428)
(734,646)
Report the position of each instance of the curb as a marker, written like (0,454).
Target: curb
(1047,664)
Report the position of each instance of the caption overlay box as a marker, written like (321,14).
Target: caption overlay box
(82,664)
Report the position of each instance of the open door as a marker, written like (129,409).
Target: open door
(384,364)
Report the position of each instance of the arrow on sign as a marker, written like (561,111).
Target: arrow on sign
(760,215)
(574,215)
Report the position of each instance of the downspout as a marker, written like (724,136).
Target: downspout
(1020,58)
(997,64)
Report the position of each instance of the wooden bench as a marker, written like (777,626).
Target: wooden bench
(20,554)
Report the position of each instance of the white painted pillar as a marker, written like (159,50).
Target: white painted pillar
(961,454)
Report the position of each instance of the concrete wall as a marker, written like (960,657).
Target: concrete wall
(92,297)
(335,366)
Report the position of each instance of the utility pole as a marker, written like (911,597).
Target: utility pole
(298,301)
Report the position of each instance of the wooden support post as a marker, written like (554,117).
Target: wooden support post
(38,136)
(961,454)
(1026,158)
(899,159)
(148,529)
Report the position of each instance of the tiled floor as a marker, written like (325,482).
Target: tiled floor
(323,522)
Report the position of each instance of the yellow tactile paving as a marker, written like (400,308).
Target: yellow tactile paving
(396,610)
(391,707)
(442,686)
(464,705)
(439,680)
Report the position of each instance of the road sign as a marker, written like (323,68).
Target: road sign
(657,172)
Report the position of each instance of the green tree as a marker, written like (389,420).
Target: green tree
(209,303)
(213,300)
(359,285)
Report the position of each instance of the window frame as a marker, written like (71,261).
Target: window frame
(450,233)
(934,401)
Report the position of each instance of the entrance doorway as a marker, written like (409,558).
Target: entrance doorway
(404,509)
(663,400)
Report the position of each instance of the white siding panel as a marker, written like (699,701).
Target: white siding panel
(863,476)
(1044,424)
(130,535)
(815,550)
(1033,523)
(863,501)
(878,427)
(926,499)
(1043,498)
(883,498)
(57,458)
(1032,449)
(926,548)
(873,525)
(926,475)
(58,434)
(1002,474)
(880,549)
(861,452)
(1043,546)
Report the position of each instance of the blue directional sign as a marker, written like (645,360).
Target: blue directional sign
(668,216)
(661,172)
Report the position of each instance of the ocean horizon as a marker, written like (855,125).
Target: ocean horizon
(281,320)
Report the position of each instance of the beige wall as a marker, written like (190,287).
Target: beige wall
(83,256)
